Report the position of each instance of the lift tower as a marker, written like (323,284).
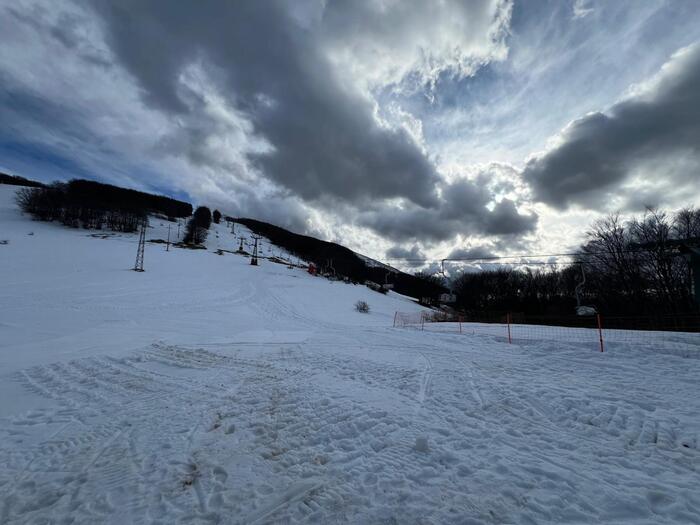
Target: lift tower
(254,258)
(138,266)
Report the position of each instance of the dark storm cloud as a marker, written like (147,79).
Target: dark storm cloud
(462,210)
(600,151)
(463,259)
(412,257)
(399,252)
(505,220)
(475,252)
(408,224)
(286,213)
(324,138)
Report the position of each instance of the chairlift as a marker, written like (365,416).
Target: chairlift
(387,285)
(581,309)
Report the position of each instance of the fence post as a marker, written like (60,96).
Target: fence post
(422,320)
(510,341)
(600,331)
(395,314)
(460,323)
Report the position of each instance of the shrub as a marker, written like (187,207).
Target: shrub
(362,307)
(216,216)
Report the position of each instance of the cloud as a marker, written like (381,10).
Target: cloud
(582,8)
(481,251)
(290,72)
(473,252)
(249,106)
(597,154)
(376,123)
(465,208)
(506,220)
(412,257)
(408,45)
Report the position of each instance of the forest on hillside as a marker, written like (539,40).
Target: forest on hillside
(94,205)
(16,180)
(343,262)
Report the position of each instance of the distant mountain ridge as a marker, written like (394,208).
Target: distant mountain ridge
(16,180)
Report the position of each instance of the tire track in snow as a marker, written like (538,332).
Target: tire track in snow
(660,433)
(425,382)
(357,449)
(476,391)
(19,477)
(124,391)
(295,493)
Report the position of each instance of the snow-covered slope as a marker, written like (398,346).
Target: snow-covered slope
(68,293)
(207,390)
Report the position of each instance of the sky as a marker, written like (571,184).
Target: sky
(402,129)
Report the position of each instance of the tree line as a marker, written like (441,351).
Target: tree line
(94,205)
(631,267)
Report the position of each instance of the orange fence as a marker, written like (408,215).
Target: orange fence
(678,334)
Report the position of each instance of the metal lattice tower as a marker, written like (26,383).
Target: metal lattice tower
(138,266)
(254,258)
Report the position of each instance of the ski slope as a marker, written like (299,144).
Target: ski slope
(205,390)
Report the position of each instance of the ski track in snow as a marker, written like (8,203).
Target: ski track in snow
(232,435)
(256,395)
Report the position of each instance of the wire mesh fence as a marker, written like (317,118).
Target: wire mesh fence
(678,334)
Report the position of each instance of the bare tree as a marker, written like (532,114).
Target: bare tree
(686,223)
(615,265)
(664,272)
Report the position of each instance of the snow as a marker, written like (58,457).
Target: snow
(208,390)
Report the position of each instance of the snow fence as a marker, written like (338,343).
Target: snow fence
(678,334)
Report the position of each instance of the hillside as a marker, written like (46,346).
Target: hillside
(333,257)
(207,390)
(16,180)
(88,274)
(97,206)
